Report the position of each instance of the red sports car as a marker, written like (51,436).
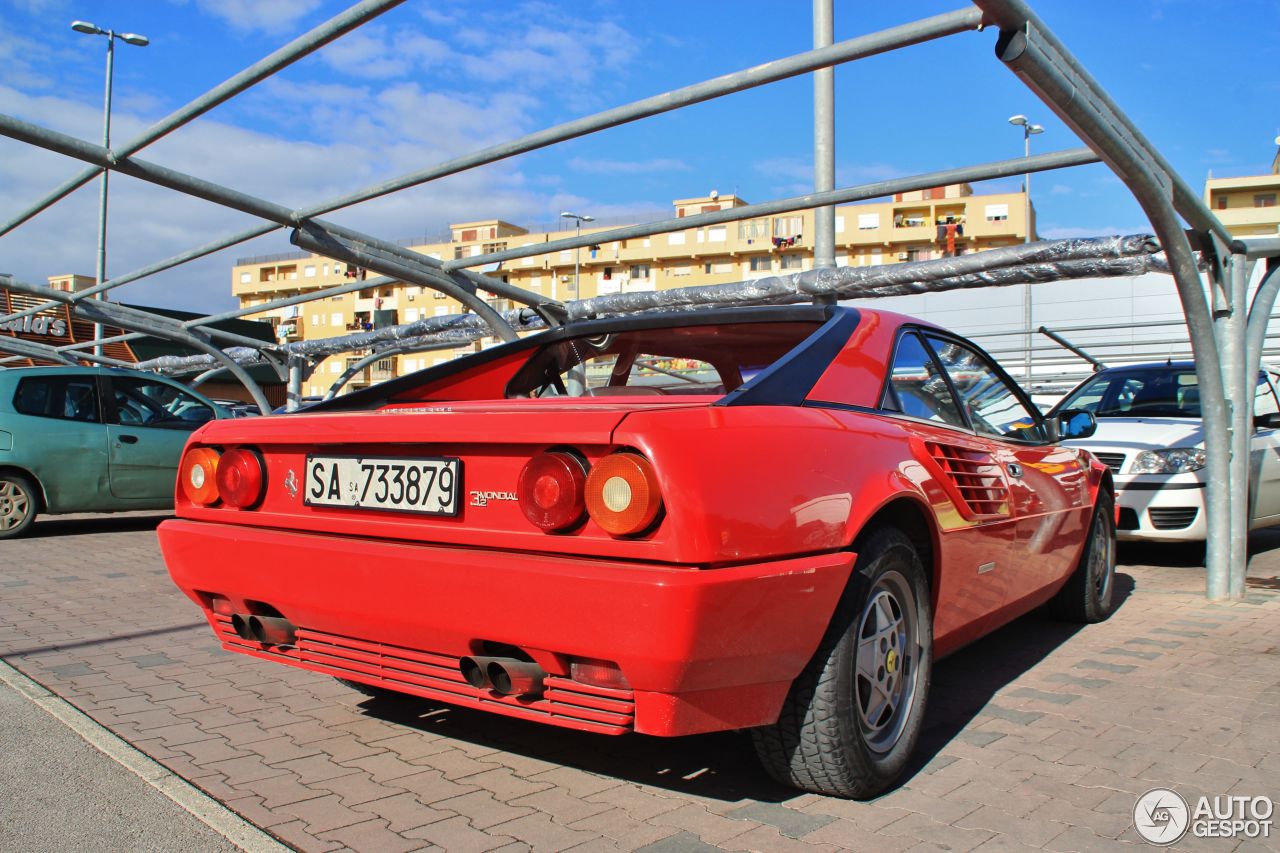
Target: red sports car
(762,518)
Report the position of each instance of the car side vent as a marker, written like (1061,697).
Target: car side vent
(977,479)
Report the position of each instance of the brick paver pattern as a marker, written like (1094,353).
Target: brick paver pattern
(1040,736)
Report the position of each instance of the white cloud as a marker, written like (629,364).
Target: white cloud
(272,16)
(374,53)
(627,167)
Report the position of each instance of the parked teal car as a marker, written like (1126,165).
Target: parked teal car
(90,439)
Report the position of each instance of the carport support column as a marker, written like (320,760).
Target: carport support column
(1232,339)
(297,366)
(824,144)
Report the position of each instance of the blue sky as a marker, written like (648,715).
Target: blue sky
(430,80)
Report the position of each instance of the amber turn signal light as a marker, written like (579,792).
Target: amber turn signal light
(198,476)
(622,494)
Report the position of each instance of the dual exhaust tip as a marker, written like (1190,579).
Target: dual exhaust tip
(504,676)
(268,630)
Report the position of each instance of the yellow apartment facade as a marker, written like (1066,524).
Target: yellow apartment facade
(920,225)
(1246,206)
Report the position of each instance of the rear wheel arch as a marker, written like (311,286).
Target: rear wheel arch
(915,521)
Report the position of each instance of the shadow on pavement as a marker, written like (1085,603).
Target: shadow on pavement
(46,526)
(102,641)
(965,682)
(723,766)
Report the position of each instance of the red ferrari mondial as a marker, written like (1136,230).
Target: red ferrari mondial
(764,518)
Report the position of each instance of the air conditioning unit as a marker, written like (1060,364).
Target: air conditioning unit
(904,256)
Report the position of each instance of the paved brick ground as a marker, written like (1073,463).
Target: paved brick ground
(1040,736)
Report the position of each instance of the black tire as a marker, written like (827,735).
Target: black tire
(829,738)
(19,503)
(1089,595)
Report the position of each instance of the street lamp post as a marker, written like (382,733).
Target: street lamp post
(138,41)
(577,252)
(1028,129)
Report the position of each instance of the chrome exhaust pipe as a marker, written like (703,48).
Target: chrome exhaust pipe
(476,671)
(240,624)
(515,677)
(273,630)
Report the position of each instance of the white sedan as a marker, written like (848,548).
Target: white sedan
(1151,437)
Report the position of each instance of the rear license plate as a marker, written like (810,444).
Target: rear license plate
(429,485)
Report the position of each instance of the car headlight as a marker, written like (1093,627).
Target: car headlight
(1175,460)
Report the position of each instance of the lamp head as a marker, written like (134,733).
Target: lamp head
(1018,120)
(87,28)
(135,39)
(1034,129)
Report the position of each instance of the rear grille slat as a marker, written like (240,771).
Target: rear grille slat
(436,676)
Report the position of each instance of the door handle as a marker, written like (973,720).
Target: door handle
(129,439)
(1015,470)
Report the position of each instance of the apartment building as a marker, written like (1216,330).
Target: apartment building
(1246,205)
(920,225)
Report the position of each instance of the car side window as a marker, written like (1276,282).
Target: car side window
(71,398)
(917,387)
(146,402)
(992,404)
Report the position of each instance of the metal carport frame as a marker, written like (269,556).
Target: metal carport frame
(1025,45)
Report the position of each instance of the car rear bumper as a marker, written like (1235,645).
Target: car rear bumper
(702,650)
(1161,508)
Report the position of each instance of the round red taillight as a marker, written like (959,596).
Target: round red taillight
(198,476)
(241,478)
(622,494)
(551,490)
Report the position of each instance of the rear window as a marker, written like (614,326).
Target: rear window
(706,359)
(72,398)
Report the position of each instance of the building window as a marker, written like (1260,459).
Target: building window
(790,262)
(1264,200)
(997,212)
(442,310)
(868,221)
(1222,202)
(716,235)
(681,269)
(309,271)
(761,263)
(787,226)
(490,248)
(753,229)
(675,239)
(639,271)
(458,252)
